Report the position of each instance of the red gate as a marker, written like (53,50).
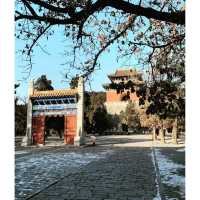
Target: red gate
(70,129)
(38,124)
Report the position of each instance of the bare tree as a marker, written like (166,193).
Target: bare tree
(151,31)
(143,28)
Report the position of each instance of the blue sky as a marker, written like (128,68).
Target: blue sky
(51,65)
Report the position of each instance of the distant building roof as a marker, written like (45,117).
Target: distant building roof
(124,72)
(54,93)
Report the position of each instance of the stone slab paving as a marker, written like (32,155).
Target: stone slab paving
(119,167)
(35,171)
(124,174)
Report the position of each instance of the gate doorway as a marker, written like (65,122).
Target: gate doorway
(54,129)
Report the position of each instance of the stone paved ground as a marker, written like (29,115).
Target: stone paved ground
(117,168)
(36,169)
(125,174)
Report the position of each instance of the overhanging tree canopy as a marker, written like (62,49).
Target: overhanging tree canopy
(152,31)
(141,28)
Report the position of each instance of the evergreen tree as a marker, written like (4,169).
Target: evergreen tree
(132,116)
(42,83)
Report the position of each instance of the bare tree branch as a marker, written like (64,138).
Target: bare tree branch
(127,7)
(37,38)
(106,46)
(29,7)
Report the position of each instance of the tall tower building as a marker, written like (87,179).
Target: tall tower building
(117,99)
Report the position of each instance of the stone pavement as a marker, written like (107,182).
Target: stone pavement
(36,169)
(126,174)
(114,169)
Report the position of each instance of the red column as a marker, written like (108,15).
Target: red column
(38,124)
(70,129)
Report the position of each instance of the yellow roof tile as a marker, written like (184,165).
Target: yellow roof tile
(54,93)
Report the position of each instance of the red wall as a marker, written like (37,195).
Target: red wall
(112,96)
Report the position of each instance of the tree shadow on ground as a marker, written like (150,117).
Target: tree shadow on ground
(107,141)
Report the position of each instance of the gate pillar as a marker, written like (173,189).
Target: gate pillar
(27,140)
(79,138)
(38,129)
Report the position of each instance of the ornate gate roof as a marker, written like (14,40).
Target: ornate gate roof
(54,93)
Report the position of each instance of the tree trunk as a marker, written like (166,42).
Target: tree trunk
(154,134)
(174,132)
(162,137)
